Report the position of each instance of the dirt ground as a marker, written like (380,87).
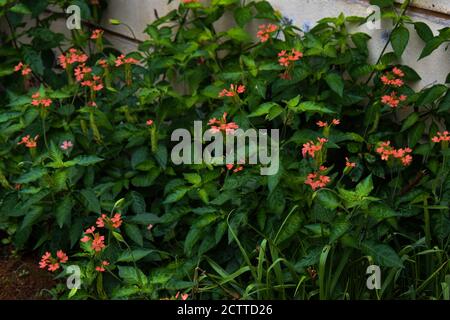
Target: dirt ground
(21,278)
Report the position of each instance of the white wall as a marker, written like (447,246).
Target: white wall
(434,68)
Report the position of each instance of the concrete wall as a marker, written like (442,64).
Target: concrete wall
(436,13)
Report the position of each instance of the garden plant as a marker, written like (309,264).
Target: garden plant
(87,182)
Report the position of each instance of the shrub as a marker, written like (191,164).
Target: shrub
(363,176)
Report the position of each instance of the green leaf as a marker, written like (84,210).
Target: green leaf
(242,15)
(145,218)
(382,3)
(364,188)
(176,195)
(31,217)
(238,34)
(161,156)
(137,202)
(134,255)
(84,161)
(336,83)
(134,233)
(310,106)
(63,211)
(399,40)
(430,95)
(90,200)
(263,109)
(410,121)
(424,31)
(193,178)
(431,45)
(193,236)
(327,199)
(381,211)
(382,254)
(132,275)
(31,176)
(338,229)
(415,133)
(20,8)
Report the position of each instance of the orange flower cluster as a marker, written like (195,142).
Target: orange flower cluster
(317,180)
(235,90)
(22,67)
(310,148)
(323,124)
(53,264)
(122,60)
(392,100)
(98,241)
(97,34)
(114,222)
(72,57)
(286,59)
(101,268)
(349,164)
(265,31)
(393,78)
(29,142)
(444,136)
(222,125)
(40,102)
(387,152)
(236,169)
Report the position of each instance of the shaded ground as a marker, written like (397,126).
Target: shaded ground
(21,278)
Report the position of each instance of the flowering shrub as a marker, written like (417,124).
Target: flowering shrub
(86,130)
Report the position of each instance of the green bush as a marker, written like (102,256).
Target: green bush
(364,179)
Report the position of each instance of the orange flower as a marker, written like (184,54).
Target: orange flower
(101,268)
(444,136)
(235,90)
(122,60)
(72,57)
(53,264)
(114,222)
(29,142)
(22,67)
(311,148)
(286,59)
(393,78)
(323,124)
(38,101)
(222,125)
(237,169)
(265,31)
(349,164)
(316,180)
(96,34)
(149,122)
(392,100)
(387,152)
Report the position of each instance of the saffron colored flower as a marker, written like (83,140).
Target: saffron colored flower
(222,125)
(323,124)
(29,142)
(40,102)
(286,59)
(184,296)
(71,57)
(96,34)
(386,151)
(98,243)
(393,78)
(316,180)
(22,67)
(349,164)
(66,145)
(234,91)
(114,222)
(103,63)
(122,60)
(53,264)
(392,100)
(235,169)
(149,122)
(444,136)
(101,268)
(310,148)
(265,31)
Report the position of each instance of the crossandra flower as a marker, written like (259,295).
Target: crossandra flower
(71,57)
(114,222)
(231,167)
(265,31)
(122,60)
(40,102)
(310,148)
(101,268)
(386,151)
(235,90)
(29,142)
(53,264)
(97,34)
(349,164)
(392,100)
(222,125)
(25,69)
(149,122)
(444,136)
(98,241)
(66,145)
(317,180)
(393,78)
(287,58)
(324,124)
